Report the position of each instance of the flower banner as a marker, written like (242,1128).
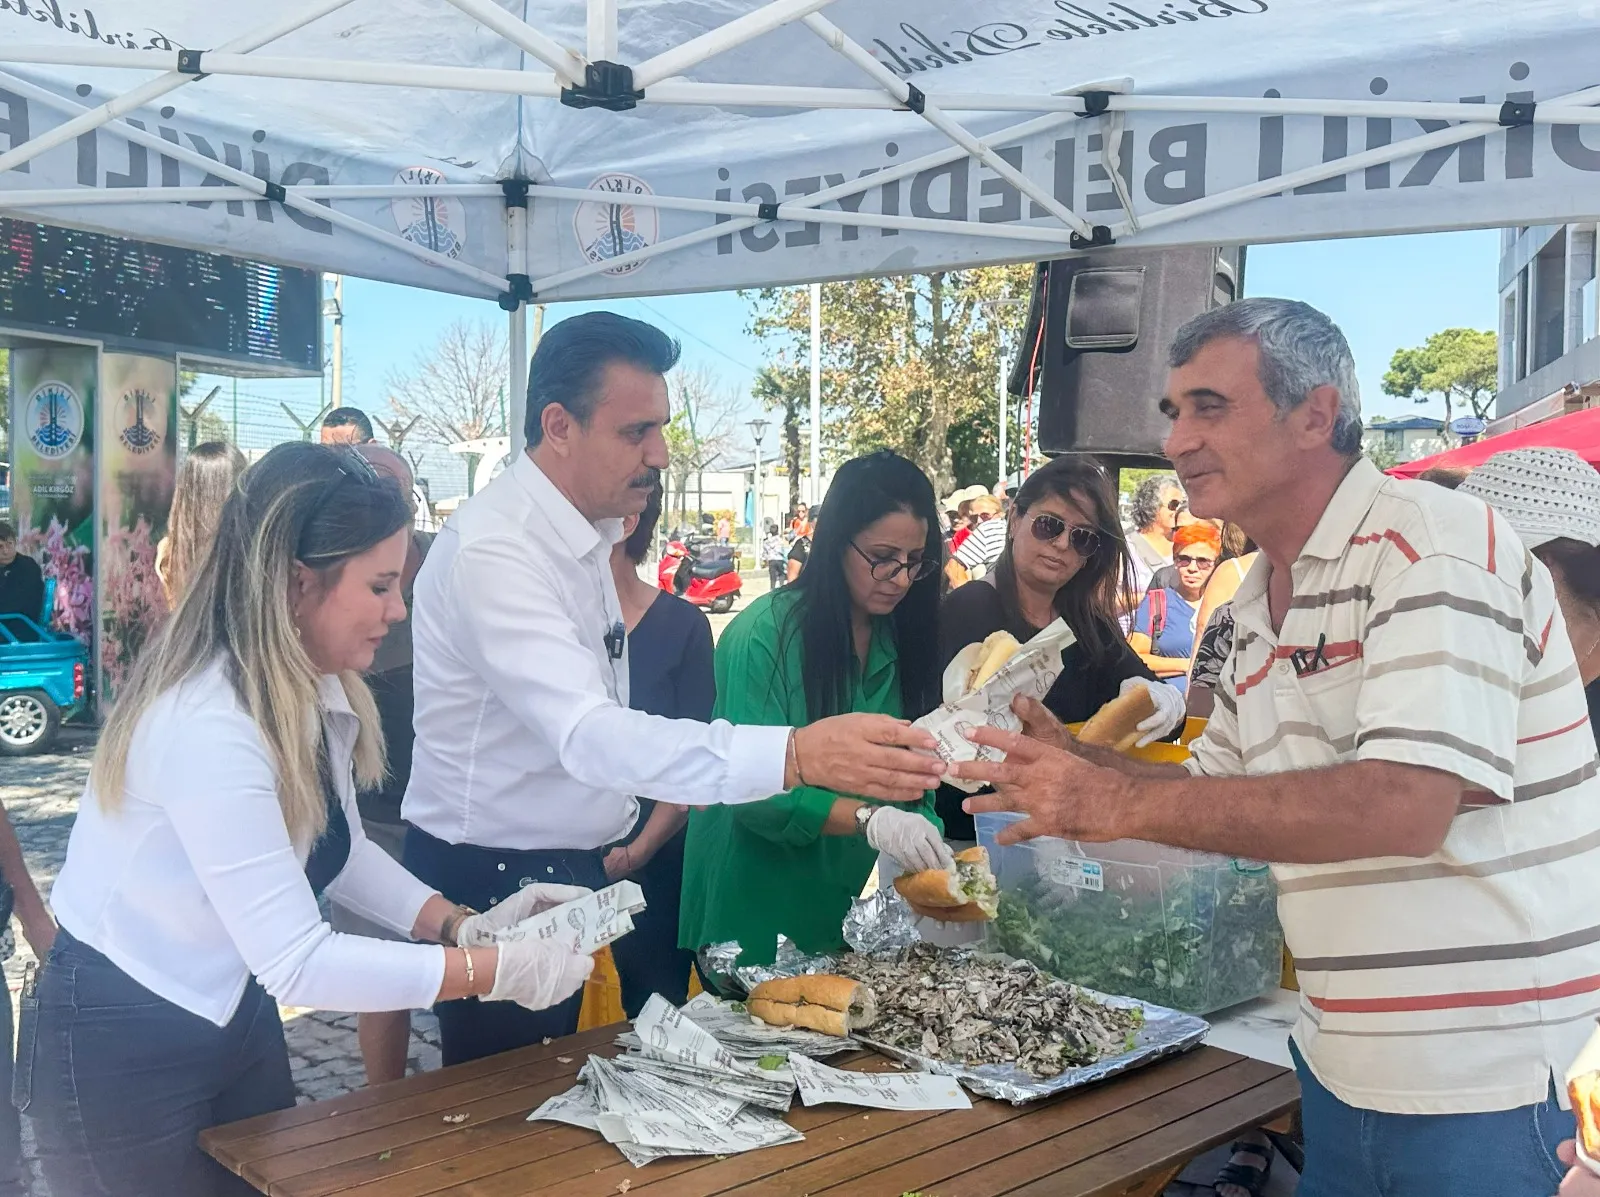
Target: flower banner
(53,390)
(135,466)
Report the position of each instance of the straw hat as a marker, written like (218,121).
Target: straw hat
(1544,494)
(965,494)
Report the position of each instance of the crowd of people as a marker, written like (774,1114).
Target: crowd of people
(435,736)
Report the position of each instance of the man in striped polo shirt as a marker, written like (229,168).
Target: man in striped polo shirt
(1401,728)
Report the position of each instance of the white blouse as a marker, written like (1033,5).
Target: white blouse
(193,885)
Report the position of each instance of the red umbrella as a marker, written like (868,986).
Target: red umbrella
(1579,432)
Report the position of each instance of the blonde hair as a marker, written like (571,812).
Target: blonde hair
(281,514)
(205,480)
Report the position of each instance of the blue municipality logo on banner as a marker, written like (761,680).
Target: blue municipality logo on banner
(138,436)
(606,231)
(54,419)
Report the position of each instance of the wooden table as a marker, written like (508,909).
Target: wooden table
(1128,1136)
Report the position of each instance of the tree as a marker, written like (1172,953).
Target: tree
(909,363)
(457,387)
(699,432)
(786,388)
(1459,364)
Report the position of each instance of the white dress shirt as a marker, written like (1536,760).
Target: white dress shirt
(193,884)
(524,736)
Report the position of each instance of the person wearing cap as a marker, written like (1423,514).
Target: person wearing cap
(1402,731)
(1552,498)
(976,555)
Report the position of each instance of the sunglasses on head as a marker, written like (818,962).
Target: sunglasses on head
(1183,559)
(1084,541)
(352,467)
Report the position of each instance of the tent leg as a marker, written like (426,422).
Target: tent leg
(517,377)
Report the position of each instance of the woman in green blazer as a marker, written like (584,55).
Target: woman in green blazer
(856,632)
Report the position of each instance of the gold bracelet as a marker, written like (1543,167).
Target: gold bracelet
(471,976)
(794,757)
(451,926)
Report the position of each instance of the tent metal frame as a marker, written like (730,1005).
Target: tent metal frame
(593,78)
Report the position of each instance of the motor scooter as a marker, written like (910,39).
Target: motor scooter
(702,571)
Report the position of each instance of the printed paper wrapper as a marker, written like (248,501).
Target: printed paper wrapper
(600,918)
(1031,672)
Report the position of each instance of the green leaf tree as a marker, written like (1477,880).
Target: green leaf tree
(909,362)
(785,389)
(1459,364)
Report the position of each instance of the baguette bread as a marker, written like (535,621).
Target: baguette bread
(965,894)
(996,650)
(1583,1087)
(1116,725)
(820,1002)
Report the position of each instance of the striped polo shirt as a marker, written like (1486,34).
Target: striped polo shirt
(1422,632)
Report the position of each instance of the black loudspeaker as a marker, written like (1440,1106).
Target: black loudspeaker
(1101,356)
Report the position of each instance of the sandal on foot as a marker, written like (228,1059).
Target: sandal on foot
(1247,1168)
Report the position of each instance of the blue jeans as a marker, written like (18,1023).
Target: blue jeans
(1362,1153)
(118,1083)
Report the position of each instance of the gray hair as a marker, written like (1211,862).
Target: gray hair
(1301,349)
(1147,499)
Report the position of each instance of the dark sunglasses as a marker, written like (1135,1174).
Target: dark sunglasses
(1176,504)
(352,467)
(1183,559)
(887,569)
(1084,541)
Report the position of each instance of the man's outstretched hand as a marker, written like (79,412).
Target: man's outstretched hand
(1060,794)
(873,756)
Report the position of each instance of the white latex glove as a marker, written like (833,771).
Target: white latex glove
(1170,708)
(539,973)
(908,838)
(479,930)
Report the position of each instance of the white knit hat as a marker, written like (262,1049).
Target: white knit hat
(1545,494)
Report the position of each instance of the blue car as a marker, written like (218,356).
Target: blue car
(43,680)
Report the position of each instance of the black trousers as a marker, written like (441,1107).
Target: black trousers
(649,959)
(118,1083)
(480,877)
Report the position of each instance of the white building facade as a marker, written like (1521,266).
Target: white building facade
(1549,319)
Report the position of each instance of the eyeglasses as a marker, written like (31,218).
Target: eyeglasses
(1084,541)
(887,569)
(1183,561)
(351,467)
(1177,504)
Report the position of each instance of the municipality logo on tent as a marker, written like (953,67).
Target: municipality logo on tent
(140,431)
(607,231)
(54,419)
(436,224)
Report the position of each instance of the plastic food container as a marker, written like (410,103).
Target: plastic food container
(1188,930)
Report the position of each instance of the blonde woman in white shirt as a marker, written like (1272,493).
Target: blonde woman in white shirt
(220,805)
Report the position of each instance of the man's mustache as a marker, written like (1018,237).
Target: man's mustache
(646,481)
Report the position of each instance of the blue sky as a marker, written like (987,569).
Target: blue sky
(1386,293)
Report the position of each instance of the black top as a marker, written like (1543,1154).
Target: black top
(331,852)
(801,550)
(968,615)
(392,692)
(22,587)
(670,670)
(1592,692)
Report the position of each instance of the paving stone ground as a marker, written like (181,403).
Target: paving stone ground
(41,794)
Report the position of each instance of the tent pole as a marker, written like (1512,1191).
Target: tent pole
(493,283)
(154,88)
(569,68)
(1410,147)
(517,341)
(901,90)
(602,31)
(715,41)
(816,393)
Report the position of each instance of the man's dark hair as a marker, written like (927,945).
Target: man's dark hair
(343,417)
(572,355)
(8,530)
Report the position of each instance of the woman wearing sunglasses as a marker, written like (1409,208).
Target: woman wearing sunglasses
(221,805)
(856,632)
(1164,625)
(1065,557)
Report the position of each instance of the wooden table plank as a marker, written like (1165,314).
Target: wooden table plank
(1174,1144)
(1109,1140)
(1071,1117)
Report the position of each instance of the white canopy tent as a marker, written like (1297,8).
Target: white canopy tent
(544,151)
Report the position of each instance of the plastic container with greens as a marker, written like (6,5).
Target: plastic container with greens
(1188,930)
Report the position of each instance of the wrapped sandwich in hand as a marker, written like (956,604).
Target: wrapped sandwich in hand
(1583,1087)
(832,1005)
(990,659)
(966,894)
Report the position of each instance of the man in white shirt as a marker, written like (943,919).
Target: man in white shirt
(526,755)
